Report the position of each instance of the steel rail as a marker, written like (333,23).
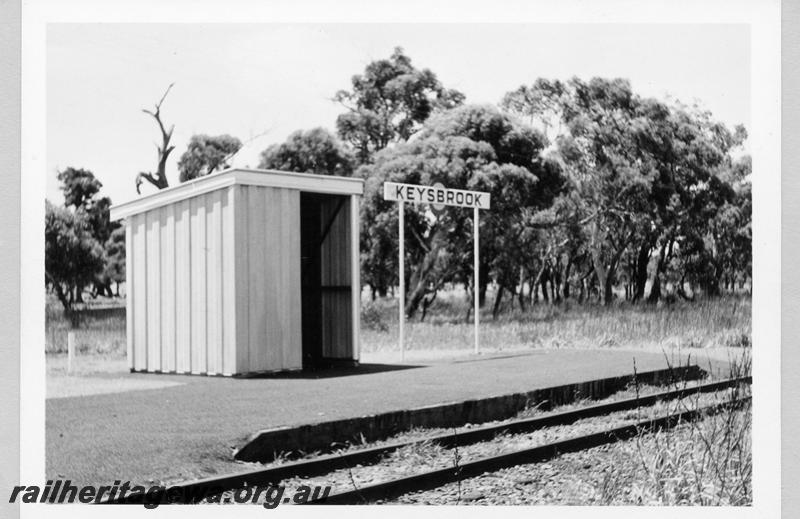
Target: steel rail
(346,460)
(436,478)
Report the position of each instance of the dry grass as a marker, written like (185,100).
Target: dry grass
(707,463)
(101,331)
(723,322)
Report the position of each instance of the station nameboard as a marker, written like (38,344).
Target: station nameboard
(437,194)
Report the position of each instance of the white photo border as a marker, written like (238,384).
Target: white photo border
(764,20)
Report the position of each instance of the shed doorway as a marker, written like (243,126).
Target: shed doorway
(325,279)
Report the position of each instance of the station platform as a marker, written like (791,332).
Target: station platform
(192,429)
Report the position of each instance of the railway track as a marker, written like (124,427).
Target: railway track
(389,489)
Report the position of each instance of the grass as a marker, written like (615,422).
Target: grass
(723,322)
(706,463)
(101,330)
(703,463)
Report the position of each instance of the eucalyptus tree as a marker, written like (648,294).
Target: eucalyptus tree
(81,196)
(313,151)
(73,257)
(693,189)
(647,181)
(596,150)
(469,147)
(388,103)
(206,154)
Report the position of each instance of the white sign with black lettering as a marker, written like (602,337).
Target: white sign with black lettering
(437,194)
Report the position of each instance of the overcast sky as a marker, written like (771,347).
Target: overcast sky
(247,79)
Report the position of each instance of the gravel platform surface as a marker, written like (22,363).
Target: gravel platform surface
(189,431)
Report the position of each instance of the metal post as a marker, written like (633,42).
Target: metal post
(402,248)
(476,285)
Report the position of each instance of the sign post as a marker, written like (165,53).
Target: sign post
(437,196)
(476,273)
(401,225)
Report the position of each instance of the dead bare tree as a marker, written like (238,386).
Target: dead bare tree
(159,179)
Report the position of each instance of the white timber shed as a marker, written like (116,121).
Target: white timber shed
(243,272)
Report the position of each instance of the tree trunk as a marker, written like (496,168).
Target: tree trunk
(682,291)
(713,286)
(640,279)
(611,273)
(426,303)
(534,284)
(655,289)
(521,295)
(543,284)
(497,300)
(554,297)
(484,282)
(420,281)
(555,285)
(62,297)
(608,291)
(414,299)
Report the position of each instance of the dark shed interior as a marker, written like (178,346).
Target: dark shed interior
(325,279)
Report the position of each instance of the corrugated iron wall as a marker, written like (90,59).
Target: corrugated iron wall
(182,290)
(215,283)
(268,303)
(337,333)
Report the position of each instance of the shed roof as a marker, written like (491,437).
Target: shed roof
(254,177)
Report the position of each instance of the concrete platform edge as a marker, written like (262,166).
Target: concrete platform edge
(266,445)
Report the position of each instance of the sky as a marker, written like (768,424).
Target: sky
(262,82)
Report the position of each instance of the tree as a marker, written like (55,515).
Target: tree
(115,258)
(79,186)
(206,154)
(647,182)
(313,151)
(159,178)
(716,245)
(470,147)
(388,103)
(690,153)
(598,152)
(73,257)
(81,189)
(541,103)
